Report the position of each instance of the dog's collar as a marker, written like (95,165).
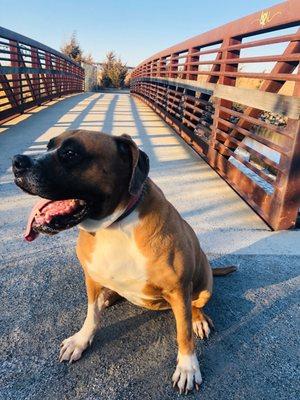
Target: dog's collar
(93,226)
(132,205)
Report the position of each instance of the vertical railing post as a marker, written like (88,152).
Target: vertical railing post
(73,67)
(66,79)
(162,67)
(49,76)
(173,66)
(188,68)
(223,80)
(192,68)
(59,81)
(16,78)
(286,199)
(35,76)
(149,69)
(154,68)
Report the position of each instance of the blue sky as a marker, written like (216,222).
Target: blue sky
(134,29)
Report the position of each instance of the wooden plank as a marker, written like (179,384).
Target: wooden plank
(273,102)
(183,83)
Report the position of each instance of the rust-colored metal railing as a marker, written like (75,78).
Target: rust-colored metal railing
(233,94)
(32,73)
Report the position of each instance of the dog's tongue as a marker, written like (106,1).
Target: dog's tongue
(30,234)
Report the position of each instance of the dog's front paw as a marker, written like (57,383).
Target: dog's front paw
(187,373)
(73,347)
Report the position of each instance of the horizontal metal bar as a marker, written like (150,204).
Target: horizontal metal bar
(253,75)
(205,88)
(29,70)
(260,59)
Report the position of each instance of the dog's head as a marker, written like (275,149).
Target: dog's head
(83,174)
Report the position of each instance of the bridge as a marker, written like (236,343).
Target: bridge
(226,155)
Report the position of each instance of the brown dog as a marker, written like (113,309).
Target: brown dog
(132,241)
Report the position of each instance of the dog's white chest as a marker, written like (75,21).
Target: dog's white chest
(117,263)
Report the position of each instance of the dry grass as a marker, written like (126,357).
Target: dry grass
(250,83)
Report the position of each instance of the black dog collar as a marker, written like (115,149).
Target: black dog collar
(132,205)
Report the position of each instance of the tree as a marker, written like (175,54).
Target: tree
(113,71)
(87,59)
(72,49)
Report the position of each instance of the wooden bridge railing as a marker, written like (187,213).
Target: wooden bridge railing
(233,94)
(32,73)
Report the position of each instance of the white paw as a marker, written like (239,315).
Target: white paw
(73,347)
(187,373)
(201,329)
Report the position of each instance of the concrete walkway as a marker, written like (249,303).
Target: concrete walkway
(42,299)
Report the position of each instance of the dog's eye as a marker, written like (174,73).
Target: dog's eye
(70,153)
(68,156)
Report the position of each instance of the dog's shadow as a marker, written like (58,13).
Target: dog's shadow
(112,332)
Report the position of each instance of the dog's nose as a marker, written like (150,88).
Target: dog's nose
(21,163)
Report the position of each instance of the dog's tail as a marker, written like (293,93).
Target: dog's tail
(223,270)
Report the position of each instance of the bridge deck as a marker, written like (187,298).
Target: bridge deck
(42,296)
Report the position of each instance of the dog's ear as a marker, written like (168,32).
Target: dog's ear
(139,162)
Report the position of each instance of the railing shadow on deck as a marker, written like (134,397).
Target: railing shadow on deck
(26,133)
(20,135)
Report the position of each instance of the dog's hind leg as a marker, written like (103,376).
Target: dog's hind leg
(73,347)
(111,297)
(201,322)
